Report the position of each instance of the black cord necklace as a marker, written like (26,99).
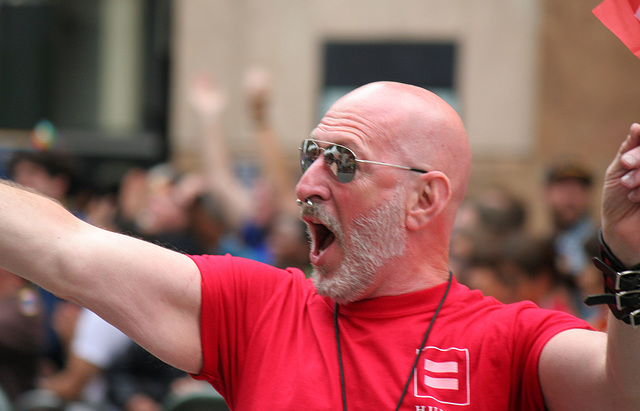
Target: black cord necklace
(415,362)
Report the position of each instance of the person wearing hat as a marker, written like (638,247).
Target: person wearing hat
(568,194)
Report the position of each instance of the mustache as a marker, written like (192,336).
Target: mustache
(310,209)
(314,211)
(318,213)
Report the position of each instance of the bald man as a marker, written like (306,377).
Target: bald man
(382,324)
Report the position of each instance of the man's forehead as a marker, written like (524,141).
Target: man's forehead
(356,141)
(349,130)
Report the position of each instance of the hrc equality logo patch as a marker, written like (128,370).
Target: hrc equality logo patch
(443,375)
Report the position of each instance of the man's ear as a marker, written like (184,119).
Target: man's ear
(433,192)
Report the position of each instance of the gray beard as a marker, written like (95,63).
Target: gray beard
(375,239)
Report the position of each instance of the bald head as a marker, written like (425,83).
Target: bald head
(416,125)
(389,124)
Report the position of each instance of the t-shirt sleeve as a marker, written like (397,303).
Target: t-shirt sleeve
(235,292)
(539,326)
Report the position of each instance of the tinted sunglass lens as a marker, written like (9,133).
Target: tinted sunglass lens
(308,154)
(331,161)
(342,162)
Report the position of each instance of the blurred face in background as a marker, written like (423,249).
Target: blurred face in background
(288,242)
(488,279)
(569,201)
(36,177)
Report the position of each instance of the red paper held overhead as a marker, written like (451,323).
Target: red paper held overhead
(622,17)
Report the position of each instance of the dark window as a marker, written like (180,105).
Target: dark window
(348,65)
(62,61)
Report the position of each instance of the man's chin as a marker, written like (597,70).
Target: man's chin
(337,296)
(332,287)
(322,282)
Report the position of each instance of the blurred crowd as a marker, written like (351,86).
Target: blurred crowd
(494,250)
(56,353)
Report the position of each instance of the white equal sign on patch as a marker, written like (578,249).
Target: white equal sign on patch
(441,383)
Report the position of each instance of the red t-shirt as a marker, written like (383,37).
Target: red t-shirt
(269,343)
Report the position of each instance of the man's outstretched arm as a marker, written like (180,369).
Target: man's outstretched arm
(589,370)
(150,293)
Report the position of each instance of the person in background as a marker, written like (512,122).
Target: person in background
(53,174)
(484,223)
(288,243)
(138,381)
(21,334)
(50,173)
(250,211)
(568,195)
(529,262)
(94,346)
(482,271)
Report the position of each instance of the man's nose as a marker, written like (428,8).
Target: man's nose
(315,181)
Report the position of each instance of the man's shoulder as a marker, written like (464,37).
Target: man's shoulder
(236,276)
(473,307)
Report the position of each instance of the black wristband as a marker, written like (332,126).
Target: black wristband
(610,259)
(621,286)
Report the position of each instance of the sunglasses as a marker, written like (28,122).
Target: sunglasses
(340,159)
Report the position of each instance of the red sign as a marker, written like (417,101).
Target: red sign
(622,17)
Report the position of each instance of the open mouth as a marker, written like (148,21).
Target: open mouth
(322,237)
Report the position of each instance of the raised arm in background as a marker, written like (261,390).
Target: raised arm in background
(209,102)
(273,191)
(273,159)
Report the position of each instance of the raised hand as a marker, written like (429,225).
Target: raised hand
(621,201)
(205,96)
